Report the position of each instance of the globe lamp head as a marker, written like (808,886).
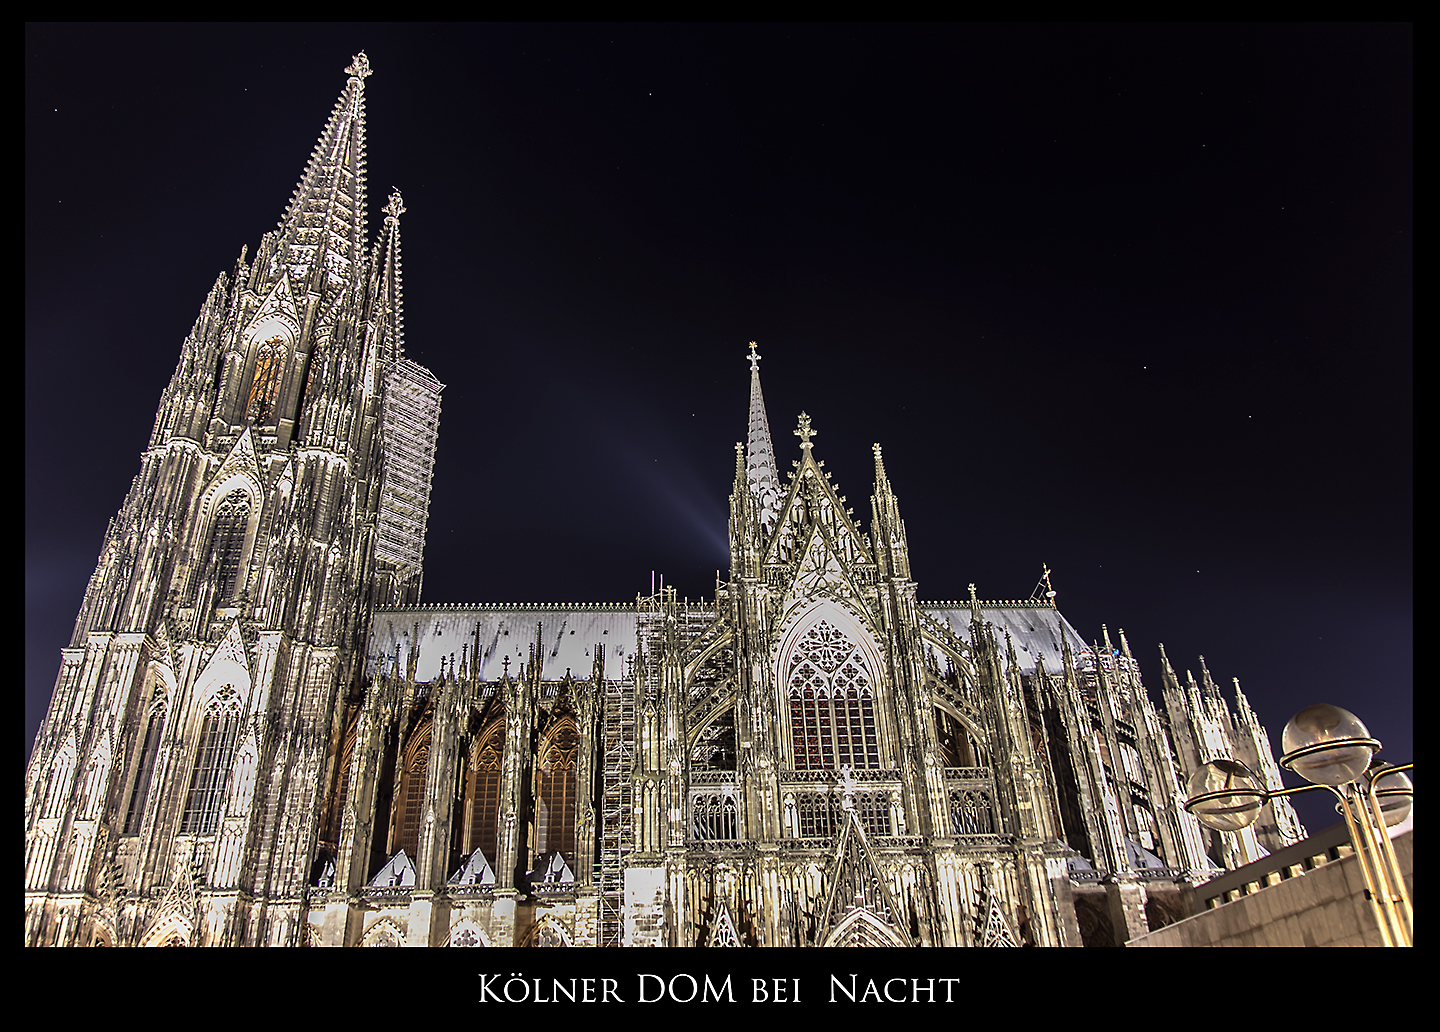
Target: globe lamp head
(1327,745)
(1225,795)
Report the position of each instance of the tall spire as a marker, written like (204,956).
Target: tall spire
(760,465)
(323,230)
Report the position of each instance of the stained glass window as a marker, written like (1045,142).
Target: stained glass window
(412,792)
(556,809)
(484,790)
(832,704)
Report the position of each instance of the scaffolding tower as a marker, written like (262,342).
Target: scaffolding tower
(616,837)
(409,428)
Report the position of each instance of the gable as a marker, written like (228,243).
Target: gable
(277,315)
(812,500)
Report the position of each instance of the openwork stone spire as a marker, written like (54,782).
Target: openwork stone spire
(324,227)
(760,464)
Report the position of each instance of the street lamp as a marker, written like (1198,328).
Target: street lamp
(1225,795)
(1332,749)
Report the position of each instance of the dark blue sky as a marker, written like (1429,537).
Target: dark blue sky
(1135,302)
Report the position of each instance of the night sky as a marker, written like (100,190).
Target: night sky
(1131,301)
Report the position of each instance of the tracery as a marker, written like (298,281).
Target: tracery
(555,814)
(832,704)
(219,736)
(411,804)
(713,817)
(227,540)
(483,790)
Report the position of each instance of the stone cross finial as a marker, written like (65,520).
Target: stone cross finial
(394,207)
(359,67)
(754,357)
(804,432)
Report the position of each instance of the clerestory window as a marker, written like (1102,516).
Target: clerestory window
(411,808)
(483,790)
(556,807)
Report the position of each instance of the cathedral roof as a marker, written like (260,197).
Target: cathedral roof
(569,632)
(1034,627)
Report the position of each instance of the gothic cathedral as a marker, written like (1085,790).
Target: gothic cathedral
(259,736)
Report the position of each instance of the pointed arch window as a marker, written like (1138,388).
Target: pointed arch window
(227,541)
(412,792)
(317,363)
(556,809)
(62,771)
(140,789)
(265,387)
(483,790)
(958,747)
(219,737)
(342,781)
(713,816)
(971,812)
(92,790)
(832,702)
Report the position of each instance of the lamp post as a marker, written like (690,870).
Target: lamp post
(1332,749)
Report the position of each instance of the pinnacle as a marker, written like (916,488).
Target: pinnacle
(805,432)
(395,206)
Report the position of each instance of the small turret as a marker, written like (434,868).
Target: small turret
(744,547)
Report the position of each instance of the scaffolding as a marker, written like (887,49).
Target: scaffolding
(616,826)
(409,428)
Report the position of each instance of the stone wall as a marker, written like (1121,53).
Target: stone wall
(1323,907)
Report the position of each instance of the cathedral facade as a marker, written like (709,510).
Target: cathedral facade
(259,736)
